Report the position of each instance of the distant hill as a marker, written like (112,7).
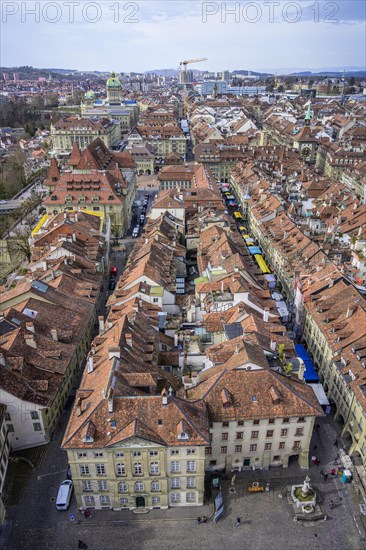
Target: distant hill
(339,74)
(163,72)
(252,73)
(61,71)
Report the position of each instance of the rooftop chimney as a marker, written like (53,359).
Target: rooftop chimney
(300,374)
(110,401)
(265,314)
(54,334)
(101,324)
(2,359)
(90,362)
(30,340)
(129,339)
(29,326)
(164,397)
(79,411)
(114,352)
(350,311)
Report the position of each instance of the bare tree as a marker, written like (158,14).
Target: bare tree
(115,229)
(21,242)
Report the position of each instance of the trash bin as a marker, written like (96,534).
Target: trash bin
(346,476)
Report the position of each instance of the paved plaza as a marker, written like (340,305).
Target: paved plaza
(266,522)
(266,518)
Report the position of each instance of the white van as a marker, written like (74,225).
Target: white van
(64,495)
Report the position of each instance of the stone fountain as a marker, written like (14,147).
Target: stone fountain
(304,496)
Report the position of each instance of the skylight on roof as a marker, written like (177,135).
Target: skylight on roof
(42,287)
(16,321)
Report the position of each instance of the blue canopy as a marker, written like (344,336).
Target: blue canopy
(309,374)
(254,250)
(219,507)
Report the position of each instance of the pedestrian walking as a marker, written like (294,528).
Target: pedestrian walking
(335,442)
(198,520)
(237,522)
(325,477)
(331,505)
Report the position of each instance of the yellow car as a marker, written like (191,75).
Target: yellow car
(238,216)
(242,229)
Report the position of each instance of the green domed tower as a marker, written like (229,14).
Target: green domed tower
(114,89)
(89,97)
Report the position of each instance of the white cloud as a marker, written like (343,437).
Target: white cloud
(168,32)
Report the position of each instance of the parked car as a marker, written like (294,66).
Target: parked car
(64,495)
(113,271)
(135,232)
(112,284)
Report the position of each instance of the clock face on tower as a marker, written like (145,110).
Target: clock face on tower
(306,151)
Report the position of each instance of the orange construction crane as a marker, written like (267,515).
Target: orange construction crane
(183,67)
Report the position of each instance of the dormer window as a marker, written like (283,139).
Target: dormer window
(89,434)
(181,430)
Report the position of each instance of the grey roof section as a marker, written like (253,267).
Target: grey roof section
(6,327)
(42,287)
(233,330)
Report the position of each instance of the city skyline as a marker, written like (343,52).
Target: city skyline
(140,36)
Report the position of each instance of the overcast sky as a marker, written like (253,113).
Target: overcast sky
(148,34)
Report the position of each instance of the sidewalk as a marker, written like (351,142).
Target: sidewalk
(187,513)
